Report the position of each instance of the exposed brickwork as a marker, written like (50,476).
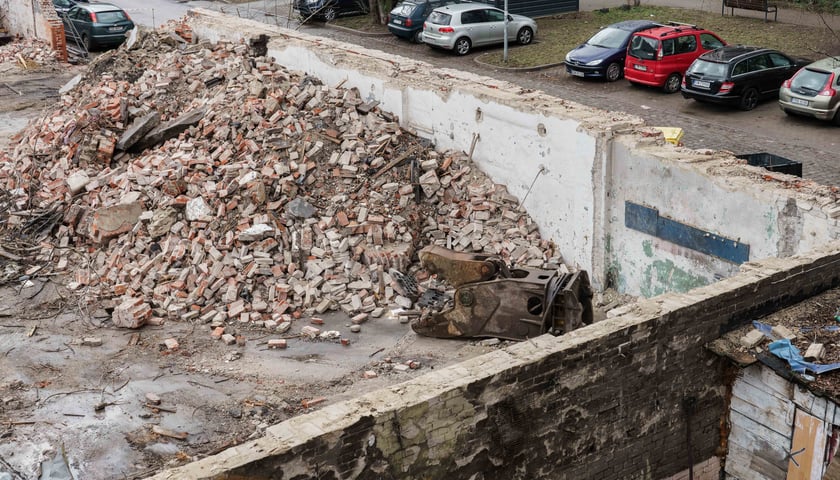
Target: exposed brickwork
(603,402)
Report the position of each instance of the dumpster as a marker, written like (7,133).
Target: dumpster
(774,163)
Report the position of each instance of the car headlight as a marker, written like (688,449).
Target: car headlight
(594,62)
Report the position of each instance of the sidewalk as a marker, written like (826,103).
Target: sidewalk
(794,16)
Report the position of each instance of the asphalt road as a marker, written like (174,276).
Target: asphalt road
(766,129)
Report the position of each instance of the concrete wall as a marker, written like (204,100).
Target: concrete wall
(27,17)
(583,164)
(612,400)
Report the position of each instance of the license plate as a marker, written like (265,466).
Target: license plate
(799,101)
(640,67)
(701,84)
(576,73)
(115,29)
(397,22)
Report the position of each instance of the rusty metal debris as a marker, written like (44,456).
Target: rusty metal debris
(494,300)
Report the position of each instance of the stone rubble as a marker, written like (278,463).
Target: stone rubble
(28,54)
(197,182)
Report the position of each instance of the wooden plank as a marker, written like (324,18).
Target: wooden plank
(764,377)
(809,402)
(764,408)
(752,435)
(807,449)
(743,465)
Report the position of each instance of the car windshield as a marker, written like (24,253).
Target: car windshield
(404,9)
(643,47)
(808,79)
(440,18)
(609,38)
(112,16)
(707,69)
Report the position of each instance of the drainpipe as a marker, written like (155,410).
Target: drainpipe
(689,404)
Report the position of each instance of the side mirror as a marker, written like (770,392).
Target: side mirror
(509,18)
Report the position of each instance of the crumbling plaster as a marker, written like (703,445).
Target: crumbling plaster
(572,166)
(27,17)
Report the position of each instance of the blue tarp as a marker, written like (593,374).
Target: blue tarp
(784,350)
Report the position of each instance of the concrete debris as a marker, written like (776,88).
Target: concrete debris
(815,352)
(225,189)
(28,54)
(752,339)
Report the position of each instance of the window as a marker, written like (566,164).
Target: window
(668,47)
(643,47)
(494,16)
(779,60)
(686,44)
(473,16)
(709,41)
(741,68)
(761,62)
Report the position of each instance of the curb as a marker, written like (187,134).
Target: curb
(516,69)
(354,31)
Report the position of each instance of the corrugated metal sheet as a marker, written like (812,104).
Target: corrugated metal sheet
(537,8)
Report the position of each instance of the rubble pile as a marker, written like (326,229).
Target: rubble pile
(28,54)
(203,182)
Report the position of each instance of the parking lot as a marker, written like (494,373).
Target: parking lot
(766,129)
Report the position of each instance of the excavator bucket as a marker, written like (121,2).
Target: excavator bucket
(513,304)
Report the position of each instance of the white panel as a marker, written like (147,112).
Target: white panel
(755,451)
(758,405)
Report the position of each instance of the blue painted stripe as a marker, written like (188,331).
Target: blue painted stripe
(647,220)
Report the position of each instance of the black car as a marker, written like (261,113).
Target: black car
(739,75)
(329,10)
(95,25)
(602,56)
(406,19)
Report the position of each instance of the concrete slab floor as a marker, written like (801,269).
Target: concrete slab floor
(62,392)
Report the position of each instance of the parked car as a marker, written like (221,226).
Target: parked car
(96,25)
(406,19)
(329,10)
(814,91)
(739,75)
(660,56)
(64,6)
(602,56)
(462,26)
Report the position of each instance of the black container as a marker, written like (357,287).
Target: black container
(774,163)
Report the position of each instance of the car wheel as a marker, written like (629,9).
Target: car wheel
(330,14)
(86,43)
(749,99)
(672,83)
(613,72)
(525,36)
(837,117)
(462,46)
(417,37)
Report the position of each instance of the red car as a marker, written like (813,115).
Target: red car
(660,56)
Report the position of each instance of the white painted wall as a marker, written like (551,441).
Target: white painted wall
(591,164)
(25,18)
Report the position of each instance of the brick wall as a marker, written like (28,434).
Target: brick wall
(35,19)
(608,401)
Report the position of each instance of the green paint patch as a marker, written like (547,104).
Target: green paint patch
(647,246)
(662,276)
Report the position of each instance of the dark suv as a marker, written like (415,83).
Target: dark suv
(739,75)
(406,19)
(329,10)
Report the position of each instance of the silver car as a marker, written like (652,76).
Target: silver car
(814,91)
(462,26)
